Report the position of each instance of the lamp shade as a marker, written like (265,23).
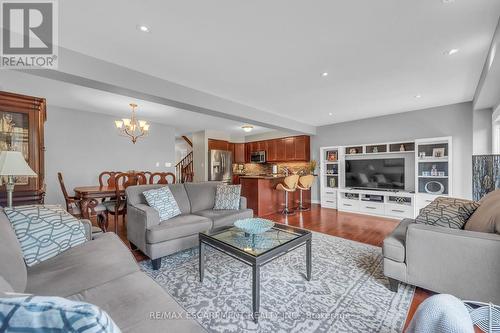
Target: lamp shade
(12,163)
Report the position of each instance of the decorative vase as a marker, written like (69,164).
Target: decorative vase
(402,148)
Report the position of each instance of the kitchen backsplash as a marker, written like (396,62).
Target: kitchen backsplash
(266,168)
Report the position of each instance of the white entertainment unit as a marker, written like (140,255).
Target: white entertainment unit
(427,175)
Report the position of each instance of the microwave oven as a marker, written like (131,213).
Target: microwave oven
(258,156)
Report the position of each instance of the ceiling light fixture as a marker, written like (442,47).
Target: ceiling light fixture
(247,128)
(452,51)
(330,114)
(418,96)
(143,28)
(324,74)
(132,127)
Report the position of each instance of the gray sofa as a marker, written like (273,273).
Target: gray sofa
(160,238)
(102,272)
(459,262)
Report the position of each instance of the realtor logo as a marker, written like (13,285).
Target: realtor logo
(29,34)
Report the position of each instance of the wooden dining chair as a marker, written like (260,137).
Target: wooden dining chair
(72,203)
(122,181)
(162,178)
(107,178)
(148,176)
(73,206)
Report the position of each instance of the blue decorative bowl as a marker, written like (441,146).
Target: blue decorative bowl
(254,226)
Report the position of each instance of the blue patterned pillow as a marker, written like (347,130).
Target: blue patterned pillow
(163,201)
(53,314)
(227,197)
(45,231)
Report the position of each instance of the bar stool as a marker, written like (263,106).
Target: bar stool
(289,185)
(305,183)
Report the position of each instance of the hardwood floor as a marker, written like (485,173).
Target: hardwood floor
(361,228)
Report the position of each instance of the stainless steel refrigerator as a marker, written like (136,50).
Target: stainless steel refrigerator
(220,166)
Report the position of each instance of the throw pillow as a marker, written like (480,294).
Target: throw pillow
(163,201)
(227,197)
(487,217)
(45,231)
(447,212)
(53,314)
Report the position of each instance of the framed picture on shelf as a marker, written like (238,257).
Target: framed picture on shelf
(438,152)
(331,156)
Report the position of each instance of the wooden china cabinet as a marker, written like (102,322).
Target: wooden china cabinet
(22,120)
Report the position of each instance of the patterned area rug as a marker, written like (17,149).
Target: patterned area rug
(347,293)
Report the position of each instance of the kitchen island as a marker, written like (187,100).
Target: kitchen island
(262,196)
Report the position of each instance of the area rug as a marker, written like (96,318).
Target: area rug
(347,293)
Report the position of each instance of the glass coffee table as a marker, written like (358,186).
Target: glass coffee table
(256,250)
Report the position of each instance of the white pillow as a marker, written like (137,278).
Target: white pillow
(227,197)
(163,201)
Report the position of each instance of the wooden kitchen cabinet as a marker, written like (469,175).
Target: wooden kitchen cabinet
(302,148)
(271,148)
(239,153)
(218,144)
(289,148)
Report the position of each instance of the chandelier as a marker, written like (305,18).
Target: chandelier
(132,127)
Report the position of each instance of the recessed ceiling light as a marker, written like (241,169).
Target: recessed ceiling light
(452,51)
(324,74)
(330,114)
(418,96)
(143,28)
(448,1)
(247,128)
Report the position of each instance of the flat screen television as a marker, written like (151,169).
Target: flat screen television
(382,174)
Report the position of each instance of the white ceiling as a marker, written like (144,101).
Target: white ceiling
(270,54)
(91,100)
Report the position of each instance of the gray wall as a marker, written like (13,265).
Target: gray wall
(83,144)
(450,120)
(482,135)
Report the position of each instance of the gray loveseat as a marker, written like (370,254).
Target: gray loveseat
(102,272)
(160,238)
(453,261)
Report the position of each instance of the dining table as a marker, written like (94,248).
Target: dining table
(90,197)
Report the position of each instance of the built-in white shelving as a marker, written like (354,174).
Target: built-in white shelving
(432,169)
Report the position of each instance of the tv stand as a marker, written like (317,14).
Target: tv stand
(392,204)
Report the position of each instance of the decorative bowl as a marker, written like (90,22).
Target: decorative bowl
(254,226)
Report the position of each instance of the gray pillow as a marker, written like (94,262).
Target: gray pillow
(227,197)
(447,212)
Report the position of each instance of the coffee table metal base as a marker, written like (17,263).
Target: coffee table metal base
(256,265)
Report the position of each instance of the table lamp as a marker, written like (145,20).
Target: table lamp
(12,164)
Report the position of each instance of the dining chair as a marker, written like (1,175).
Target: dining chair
(73,206)
(289,185)
(122,181)
(148,175)
(107,178)
(162,178)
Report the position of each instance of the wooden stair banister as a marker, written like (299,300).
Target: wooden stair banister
(184,169)
(189,142)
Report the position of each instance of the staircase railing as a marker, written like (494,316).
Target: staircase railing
(184,169)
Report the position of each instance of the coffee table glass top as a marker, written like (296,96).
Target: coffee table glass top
(257,244)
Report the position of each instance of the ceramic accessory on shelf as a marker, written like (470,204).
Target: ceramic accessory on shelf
(426,173)
(375,150)
(434,171)
(422,154)
(332,182)
(434,187)
(402,148)
(254,226)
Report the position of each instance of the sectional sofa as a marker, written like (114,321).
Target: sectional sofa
(101,272)
(160,238)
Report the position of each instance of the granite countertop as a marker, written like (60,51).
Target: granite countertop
(263,176)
